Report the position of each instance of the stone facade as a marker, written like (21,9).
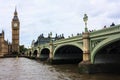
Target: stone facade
(43,40)
(4,45)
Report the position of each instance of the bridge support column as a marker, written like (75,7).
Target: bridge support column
(38,55)
(51,53)
(32,53)
(84,66)
(86,47)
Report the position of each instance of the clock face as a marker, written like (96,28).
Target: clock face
(15,24)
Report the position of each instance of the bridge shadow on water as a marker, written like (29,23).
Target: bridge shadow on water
(65,69)
(71,71)
(66,61)
(98,68)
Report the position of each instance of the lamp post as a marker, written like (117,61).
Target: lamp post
(86,41)
(85,19)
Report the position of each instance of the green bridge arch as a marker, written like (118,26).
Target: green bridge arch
(44,53)
(80,46)
(102,44)
(68,53)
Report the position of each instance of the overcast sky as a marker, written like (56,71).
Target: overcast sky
(57,16)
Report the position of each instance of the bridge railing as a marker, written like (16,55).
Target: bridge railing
(70,39)
(112,29)
(44,45)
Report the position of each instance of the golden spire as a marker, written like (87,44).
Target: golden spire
(15,13)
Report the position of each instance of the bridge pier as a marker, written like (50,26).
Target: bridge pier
(38,55)
(51,53)
(84,66)
(86,47)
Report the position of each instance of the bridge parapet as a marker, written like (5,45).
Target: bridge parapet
(44,45)
(71,39)
(105,31)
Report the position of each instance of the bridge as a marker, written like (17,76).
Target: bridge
(101,46)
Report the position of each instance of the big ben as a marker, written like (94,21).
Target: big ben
(15,33)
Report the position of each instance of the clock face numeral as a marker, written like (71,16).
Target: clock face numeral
(15,24)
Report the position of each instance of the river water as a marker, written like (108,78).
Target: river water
(27,69)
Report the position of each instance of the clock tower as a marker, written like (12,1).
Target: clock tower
(15,33)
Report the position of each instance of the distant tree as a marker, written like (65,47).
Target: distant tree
(22,49)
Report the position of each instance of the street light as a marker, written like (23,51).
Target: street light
(85,19)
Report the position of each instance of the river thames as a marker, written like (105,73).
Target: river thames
(27,69)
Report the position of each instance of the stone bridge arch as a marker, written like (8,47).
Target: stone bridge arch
(44,53)
(35,53)
(79,45)
(107,43)
(68,53)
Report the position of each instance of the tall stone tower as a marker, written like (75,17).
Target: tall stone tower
(15,33)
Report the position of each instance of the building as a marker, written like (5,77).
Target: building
(5,46)
(15,33)
(42,40)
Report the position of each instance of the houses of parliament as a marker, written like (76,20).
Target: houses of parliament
(5,46)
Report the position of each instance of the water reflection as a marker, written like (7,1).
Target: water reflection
(26,69)
(71,71)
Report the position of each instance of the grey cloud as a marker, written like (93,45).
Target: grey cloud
(114,15)
(113,1)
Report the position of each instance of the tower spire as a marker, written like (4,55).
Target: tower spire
(15,18)
(15,13)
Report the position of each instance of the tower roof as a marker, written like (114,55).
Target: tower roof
(15,13)
(15,18)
